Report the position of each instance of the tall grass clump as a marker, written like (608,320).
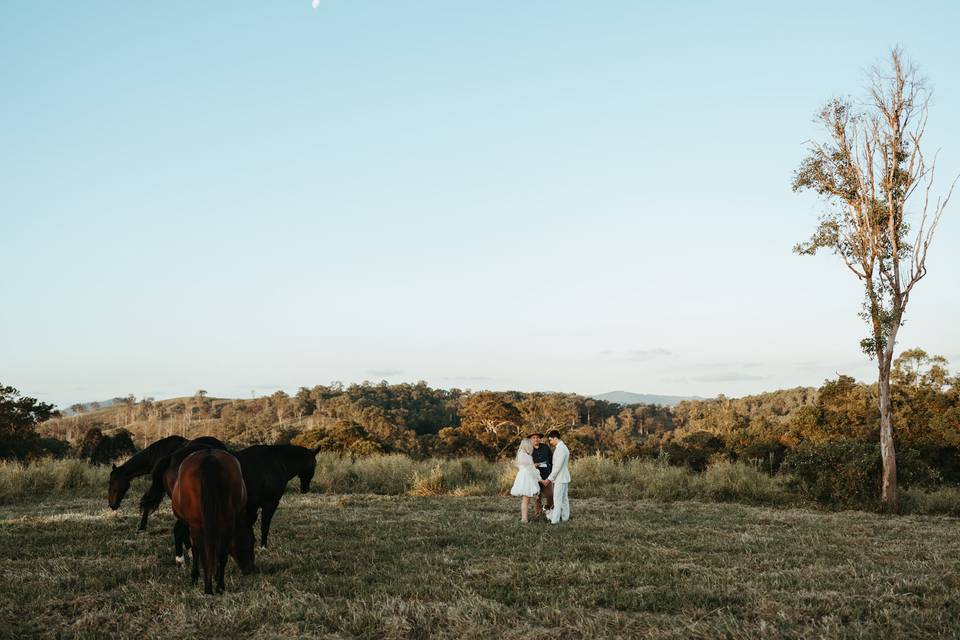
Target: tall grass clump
(473,477)
(48,477)
(598,477)
(381,474)
(397,474)
(634,479)
(644,479)
(944,501)
(738,482)
(429,483)
(664,483)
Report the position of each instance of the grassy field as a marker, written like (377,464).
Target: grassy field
(406,566)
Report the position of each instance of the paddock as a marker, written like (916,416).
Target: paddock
(399,567)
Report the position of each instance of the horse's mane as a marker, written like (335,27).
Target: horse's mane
(146,459)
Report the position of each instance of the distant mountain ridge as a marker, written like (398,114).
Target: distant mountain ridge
(628,397)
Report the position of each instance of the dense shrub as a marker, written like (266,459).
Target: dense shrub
(19,417)
(696,450)
(767,454)
(99,448)
(848,473)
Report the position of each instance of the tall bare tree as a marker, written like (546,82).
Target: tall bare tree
(881,217)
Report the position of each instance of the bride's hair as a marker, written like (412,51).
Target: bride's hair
(526,446)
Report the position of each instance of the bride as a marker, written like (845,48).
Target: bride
(527,483)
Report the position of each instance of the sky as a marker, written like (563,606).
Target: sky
(540,195)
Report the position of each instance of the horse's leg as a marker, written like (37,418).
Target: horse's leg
(221,566)
(195,573)
(187,544)
(144,514)
(181,535)
(269,508)
(209,561)
(208,579)
(154,496)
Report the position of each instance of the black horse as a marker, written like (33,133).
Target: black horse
(140,464)
(266,471)
(163,477)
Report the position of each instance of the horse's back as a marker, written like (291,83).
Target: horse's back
(165,446)
(271,463)
(214,471)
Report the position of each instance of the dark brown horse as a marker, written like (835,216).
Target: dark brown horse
(162,478)
(210,498)
(140,464)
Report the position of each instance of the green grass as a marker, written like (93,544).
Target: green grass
(417,567)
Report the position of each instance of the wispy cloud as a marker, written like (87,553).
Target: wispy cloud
(729,376)
(384,373)
(637,355)
(729,365)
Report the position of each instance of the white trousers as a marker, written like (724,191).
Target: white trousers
(561,503)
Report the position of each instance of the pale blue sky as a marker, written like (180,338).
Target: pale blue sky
(537,195)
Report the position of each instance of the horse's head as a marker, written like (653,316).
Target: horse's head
(242,547)
(306,476)
(119,484)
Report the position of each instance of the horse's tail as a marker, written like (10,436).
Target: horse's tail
(210,506)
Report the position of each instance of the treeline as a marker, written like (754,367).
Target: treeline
(810,430)
(421,421)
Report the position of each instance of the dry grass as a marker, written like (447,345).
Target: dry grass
(595,477)
(50,478)
(424,567)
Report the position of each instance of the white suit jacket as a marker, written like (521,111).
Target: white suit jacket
(561,464)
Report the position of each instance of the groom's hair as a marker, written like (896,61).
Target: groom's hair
(554,434)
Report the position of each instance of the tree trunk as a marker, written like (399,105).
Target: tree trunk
(887,451)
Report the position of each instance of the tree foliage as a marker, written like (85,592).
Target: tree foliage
(19,417)
(873,174)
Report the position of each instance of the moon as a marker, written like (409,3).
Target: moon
(316,4)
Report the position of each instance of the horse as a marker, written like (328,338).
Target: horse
(162,478)
(266,471)
(138,465)
(210,498)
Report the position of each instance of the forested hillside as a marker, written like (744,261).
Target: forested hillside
(422,421)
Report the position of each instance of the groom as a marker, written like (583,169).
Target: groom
(560,479)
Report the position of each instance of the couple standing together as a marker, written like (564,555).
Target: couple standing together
(545,475)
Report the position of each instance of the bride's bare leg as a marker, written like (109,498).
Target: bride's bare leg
(524,506)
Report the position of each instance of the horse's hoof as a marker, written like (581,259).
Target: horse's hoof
(179,560)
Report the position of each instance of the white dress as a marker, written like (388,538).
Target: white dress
(527,482)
